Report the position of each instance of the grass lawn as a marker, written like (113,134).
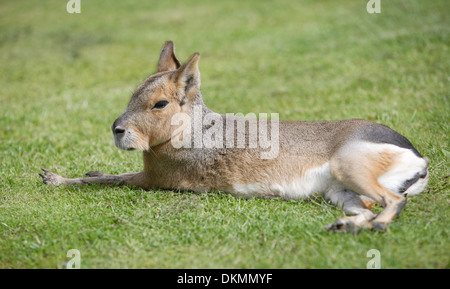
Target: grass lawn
(66,77)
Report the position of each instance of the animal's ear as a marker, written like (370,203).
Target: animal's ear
(167,59)
(187,77)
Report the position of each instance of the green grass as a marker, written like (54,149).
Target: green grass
(66,77)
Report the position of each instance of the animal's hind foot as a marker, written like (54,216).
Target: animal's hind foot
(377,226)
(343,226)
(348,226)
(353,224)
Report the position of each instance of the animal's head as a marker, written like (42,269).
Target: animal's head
(173,89)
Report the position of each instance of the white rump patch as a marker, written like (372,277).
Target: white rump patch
(407,165)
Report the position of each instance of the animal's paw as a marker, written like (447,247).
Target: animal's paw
(378,226)
(50,178)
(343,226)
(94,174)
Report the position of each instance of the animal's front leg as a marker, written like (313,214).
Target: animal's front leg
(134,179)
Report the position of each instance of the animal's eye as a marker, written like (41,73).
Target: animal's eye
(160,104)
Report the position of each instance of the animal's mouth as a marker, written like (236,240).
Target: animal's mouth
(121,145)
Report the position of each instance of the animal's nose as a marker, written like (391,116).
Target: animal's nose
(118,130)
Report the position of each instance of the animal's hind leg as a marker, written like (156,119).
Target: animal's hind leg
(360,174)
(394,204)
(369,186)
(353,204)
